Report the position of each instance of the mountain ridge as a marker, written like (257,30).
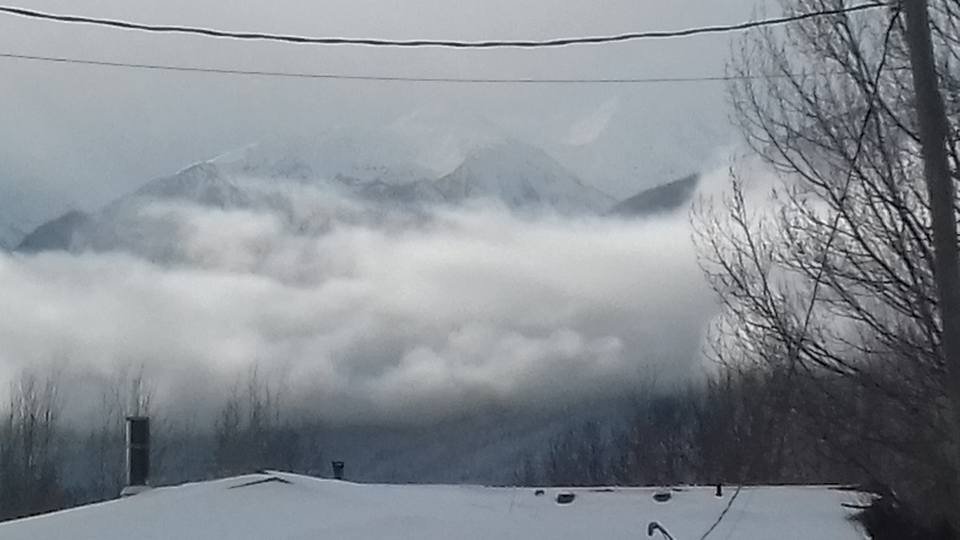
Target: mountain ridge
(519,176)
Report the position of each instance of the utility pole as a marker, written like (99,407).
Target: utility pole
(932,124)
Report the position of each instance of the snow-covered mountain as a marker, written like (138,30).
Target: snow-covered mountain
(206,184)
(309,186)
(462,160)
(364,155)
(125,222)
(521,176)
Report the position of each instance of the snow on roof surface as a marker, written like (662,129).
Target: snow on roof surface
(298,508)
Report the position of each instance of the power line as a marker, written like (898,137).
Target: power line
(723,514)
(408,78)
(527,44)
(384,78)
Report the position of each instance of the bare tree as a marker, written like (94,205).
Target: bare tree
(29,447)
(830,282)
(250,432)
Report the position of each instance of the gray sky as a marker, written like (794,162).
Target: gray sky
(82,135)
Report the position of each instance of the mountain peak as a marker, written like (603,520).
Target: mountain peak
(265,160)
(202,183)
(521,176)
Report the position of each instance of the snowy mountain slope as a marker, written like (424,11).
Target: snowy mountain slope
(125,223)
(521,176)
(205,184)
(70,229)
(292,507)
(411,195)
(366,155)
(663,198)
(274,177)
(61,233)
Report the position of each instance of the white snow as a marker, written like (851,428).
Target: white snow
(292,507)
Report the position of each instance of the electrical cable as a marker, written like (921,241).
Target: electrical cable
(456,44)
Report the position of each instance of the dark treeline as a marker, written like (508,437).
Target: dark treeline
(739,427)
(52,457)
(46,464)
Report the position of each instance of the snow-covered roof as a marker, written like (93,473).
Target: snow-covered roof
(290,507)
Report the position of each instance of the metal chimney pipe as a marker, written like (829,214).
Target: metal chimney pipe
(138,453)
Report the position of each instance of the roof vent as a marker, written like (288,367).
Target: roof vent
(337,469)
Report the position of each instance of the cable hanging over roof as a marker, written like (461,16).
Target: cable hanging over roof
(381,78)
(454,44)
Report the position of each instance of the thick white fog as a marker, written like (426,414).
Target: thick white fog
(399,320)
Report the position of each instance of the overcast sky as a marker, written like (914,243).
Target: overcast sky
(83,135)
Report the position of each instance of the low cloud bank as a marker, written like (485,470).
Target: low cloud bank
(369,323)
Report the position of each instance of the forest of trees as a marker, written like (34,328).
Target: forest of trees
(730,431)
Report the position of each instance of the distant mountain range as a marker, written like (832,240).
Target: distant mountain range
(517,176)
